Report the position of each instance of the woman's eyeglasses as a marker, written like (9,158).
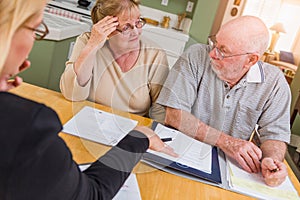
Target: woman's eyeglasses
(125,29)
(40,32)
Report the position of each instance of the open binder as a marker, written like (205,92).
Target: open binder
(225,173)
(214,176)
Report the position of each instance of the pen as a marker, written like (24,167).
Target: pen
(274,170)
(88,163)
(252,135)
(166,139)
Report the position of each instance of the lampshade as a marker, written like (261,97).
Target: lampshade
(278,27)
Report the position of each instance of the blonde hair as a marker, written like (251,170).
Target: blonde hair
(13,15)
(103,8)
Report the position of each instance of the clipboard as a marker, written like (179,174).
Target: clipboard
(214,176)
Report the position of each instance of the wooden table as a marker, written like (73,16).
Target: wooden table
(153,183)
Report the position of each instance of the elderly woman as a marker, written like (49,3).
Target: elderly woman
(112,66)
(35,163)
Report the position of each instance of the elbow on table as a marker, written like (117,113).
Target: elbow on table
(72,95)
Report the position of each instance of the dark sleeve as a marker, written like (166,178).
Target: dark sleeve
(107,175)
(43,167)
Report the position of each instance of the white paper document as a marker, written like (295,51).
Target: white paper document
(129,190)
(99,126)
(192,153)
(253,184)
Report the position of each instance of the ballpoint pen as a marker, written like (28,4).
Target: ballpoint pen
(252,135)
(166,139)
(275,170)
(255,136)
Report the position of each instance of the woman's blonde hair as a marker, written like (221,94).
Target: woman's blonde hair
(103,8)
(13,15)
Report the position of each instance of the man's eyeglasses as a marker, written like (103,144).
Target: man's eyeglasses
(125,29)
(212,42)
(40,32)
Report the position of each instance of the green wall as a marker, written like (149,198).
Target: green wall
(203,19)
(174,6)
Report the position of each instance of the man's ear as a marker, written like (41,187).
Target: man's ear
(252,59)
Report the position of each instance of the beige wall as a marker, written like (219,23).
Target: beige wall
(296,48)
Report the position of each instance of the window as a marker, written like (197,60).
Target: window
(272,11)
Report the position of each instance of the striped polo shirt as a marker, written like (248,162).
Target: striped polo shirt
(261,97)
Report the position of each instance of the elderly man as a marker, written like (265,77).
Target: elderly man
(218,93)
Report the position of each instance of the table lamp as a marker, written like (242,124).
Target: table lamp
(277,29)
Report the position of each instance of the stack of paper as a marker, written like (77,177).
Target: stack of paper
(99,126)
(191,152)
(253,184)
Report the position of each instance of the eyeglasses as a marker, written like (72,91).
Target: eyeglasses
(125,30)
(40,32)
(212,42)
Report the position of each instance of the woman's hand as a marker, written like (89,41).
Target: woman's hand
(102,29)
(155,142)
(84,64)
(6,83)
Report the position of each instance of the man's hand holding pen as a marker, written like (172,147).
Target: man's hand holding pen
(273,171)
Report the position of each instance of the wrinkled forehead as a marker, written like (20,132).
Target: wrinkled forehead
(130,14)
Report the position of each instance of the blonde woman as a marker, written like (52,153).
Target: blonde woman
(112,65)
(35,163)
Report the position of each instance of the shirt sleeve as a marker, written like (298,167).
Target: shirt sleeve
(69,86)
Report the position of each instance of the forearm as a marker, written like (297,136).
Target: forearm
(233,147)
(274,149)
(83,66)
(190,125)
(195,128)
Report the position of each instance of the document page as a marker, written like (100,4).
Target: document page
(192,153)
(129,190)
(253,184)
(99,126)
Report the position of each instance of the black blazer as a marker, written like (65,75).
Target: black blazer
(35,163)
